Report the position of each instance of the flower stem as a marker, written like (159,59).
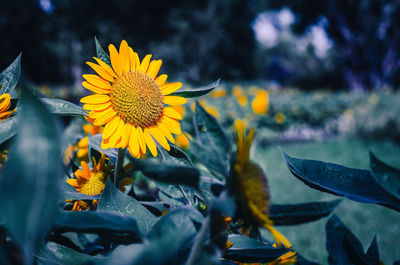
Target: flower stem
(119,170)
(198,243)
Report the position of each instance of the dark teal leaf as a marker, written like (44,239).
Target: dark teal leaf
(196,92)
(95,143)
(101,54)
(303,261)
(292,214)
(342,246)
(245,249)
(209,156)
(63,108)
(8,128)
(29,181)
(168,173)
(10,76)
(355,184)
(386,176)
(67,192)
(108,225)
(53,253)
(174,155)
(373,251)
(113,200)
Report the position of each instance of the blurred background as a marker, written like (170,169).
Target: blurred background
(318,79)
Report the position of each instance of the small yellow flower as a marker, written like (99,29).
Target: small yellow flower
(218,93)
(260,103)
(182,141)
(131,101)
(242,100)
(5,104)
(280,118)
(237,91)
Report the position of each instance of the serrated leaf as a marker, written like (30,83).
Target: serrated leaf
(196,92)
(10,76)
(30,177)
(113,200)
(63,108)
(95,143)
(355,184)
(386,176)
(53,253)
(101,54)
(248,250)
(108,225)
(168,173)
(292,214)
(8,128)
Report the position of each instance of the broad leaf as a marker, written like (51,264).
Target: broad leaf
(386,176)
(63,108)
(10,76)
(292,214)
(355,184)
(248,250)
(113,200)
(53,253)
(8,128)
(101,54)
(30,177)
(70,193)
(107,225)
(196,92)
(95,143)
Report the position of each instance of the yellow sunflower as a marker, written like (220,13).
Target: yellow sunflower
(132,102)
(5,104)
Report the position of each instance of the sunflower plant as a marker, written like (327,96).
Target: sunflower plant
(209,204)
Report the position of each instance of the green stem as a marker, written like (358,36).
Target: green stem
(119,170)
(198,244)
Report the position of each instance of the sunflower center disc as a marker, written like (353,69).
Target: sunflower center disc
(137,99)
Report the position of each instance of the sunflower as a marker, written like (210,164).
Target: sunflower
(5,105)
(132,102)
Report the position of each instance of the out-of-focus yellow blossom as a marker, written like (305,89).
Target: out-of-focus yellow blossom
(242,100)
(280,118)
(253,90)
(218,93)
(3,158)
(45,90)
(237,91)
(5,106)
(180,109)
(83,149)
(182,140)
(92,129)
(210,109)
(260,103)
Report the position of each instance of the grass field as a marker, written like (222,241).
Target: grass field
(364,220)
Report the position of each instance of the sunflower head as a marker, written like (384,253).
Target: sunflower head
(132,101)
(6,109)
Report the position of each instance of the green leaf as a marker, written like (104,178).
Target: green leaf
(53,253)
(174,155)
(343,247)
(386,176)
(108,225)
(292,214)
(101,54)
(10,76)
(355,184)
(29,181)
(113,200)
(63,108)
(168,173)
(196,92)
(248,250)
(8,128)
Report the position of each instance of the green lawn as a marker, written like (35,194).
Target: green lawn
(364,220)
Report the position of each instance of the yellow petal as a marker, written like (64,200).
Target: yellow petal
(142,142)
(172,125)
(145,63)
(97,107)
(170,88)
(132,59)
(116,136)
(161,79)
(159,137)
(124,56)
(98,81)
(170,112)
(150,142)
(174,100)
(110,127)
(6,115)
(5,102)
(126,135)
(134,142)
(115,60)
(166,132)
(85,168)
(106,67)
(106,117)
(101,71)
(94,115)
(137,61)
(154,68)
(94,88)
(95,99)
